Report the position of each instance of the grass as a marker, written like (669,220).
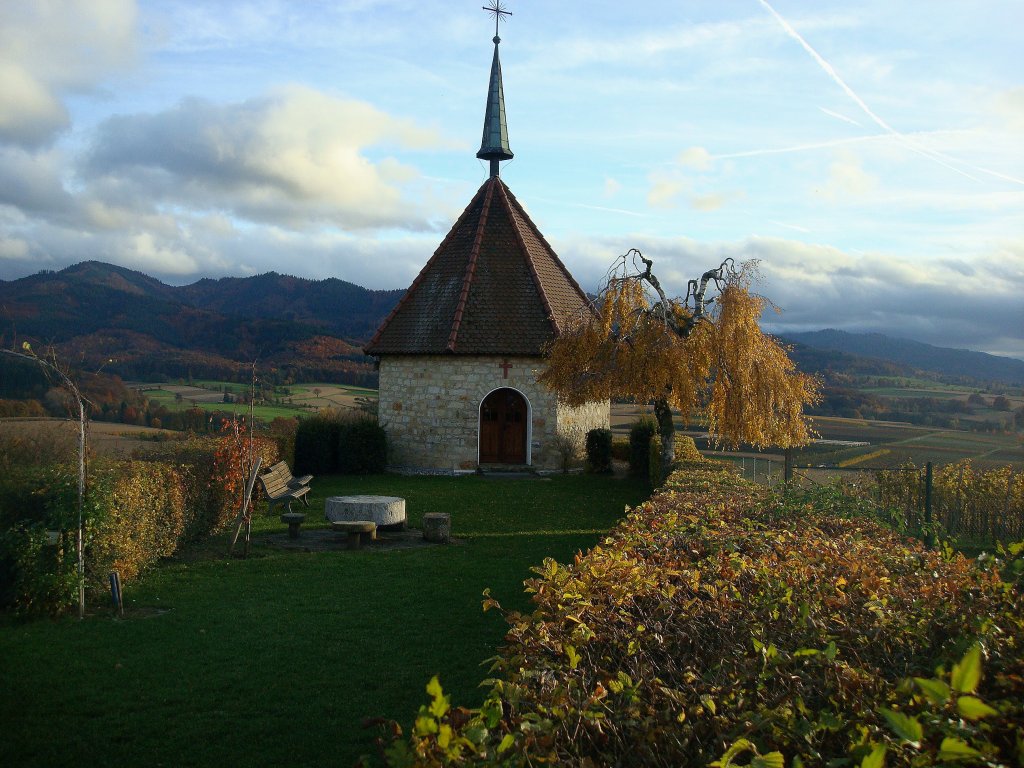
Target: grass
(275,660)
(263,412)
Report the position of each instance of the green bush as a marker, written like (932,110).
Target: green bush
(211,478)
(722,625)
(316,446)
(362,447)
(599,450)
(135,512)
(640,436)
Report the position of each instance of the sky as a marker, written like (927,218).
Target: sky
(869,155)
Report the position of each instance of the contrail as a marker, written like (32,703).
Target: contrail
(828,69)
(838,116)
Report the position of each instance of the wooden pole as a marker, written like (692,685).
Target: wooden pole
(242,518)
(928,497)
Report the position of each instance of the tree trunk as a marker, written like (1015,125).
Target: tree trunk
(667,433)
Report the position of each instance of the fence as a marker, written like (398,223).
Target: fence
(977,507)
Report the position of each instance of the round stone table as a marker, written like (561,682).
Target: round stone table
(385,511)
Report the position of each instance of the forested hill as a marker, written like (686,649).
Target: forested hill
(139,327)
(135,326)
(954,363)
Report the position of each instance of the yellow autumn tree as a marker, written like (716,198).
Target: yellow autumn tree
(702,355)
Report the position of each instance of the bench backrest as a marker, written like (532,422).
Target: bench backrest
(274,484)
(281,469)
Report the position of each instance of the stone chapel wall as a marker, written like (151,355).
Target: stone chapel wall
(430,409)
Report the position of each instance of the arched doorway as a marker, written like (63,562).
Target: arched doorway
(504,417)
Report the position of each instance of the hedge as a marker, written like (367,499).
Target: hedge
(722,625)
(135,512)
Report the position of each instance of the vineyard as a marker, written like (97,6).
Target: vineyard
(974,506)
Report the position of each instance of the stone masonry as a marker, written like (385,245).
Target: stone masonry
(430,409)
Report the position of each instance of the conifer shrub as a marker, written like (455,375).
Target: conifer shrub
(362,447)
(599,450)
(316,444)
(640,436)
(722,625)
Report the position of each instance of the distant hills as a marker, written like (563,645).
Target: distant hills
(131,324)
(914,355)
(97,314)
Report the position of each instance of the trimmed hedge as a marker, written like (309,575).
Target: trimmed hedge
(687,455)
(335,442)
(135,512)
(362,448)
(599,450)
(722,625)
(316,446)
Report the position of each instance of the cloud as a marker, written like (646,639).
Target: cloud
(664,192)
(958,303)
(1009,106)
(713,201)
(696,158)
(49,50)
(847,179)
(13,248)
(611,187)
(295,158)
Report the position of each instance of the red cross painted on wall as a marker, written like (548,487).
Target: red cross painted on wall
(505,365)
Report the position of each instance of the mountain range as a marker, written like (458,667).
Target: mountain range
(100,315)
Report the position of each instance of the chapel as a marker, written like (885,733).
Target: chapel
(459,355)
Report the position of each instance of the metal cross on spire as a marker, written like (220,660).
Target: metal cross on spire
(498,11)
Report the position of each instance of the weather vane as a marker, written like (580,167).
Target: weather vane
(498,11)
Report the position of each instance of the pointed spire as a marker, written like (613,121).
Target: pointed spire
(494,144)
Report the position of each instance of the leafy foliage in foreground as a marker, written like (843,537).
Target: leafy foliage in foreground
(722,625)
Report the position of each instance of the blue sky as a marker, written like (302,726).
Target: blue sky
(870,155)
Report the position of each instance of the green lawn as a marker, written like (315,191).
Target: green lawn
(275,660)
(265,413)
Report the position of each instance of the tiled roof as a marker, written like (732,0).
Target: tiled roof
(493,286)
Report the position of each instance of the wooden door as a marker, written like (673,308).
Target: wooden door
(503,428)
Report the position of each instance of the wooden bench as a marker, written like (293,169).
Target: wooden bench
(279,492)
(281,468)
(358,531)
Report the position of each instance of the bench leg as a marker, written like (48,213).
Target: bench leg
(355,540)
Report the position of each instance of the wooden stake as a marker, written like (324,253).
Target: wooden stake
(243,518)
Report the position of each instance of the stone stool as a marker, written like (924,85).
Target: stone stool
(437,527)
(358,531)
(293,520)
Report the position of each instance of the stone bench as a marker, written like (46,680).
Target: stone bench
(358,531)
(293,520)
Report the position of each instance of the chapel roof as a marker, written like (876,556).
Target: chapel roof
(493,286)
